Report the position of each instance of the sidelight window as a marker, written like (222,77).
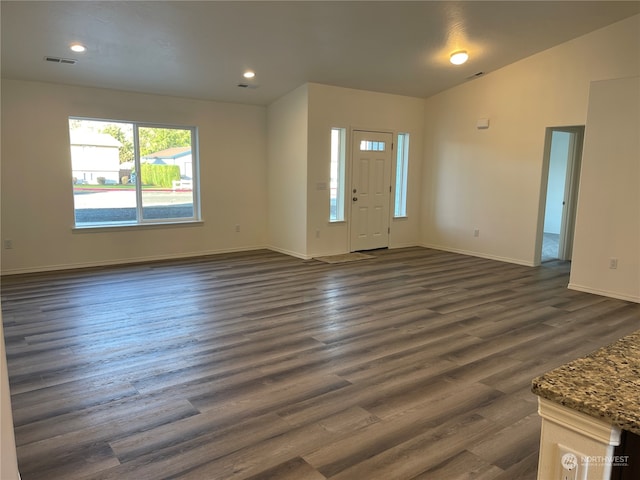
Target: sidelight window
(337,174)
(402,169)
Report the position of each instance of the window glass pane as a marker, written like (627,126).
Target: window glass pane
(370,146)
(125,173)
(402,164)
(336,182)
(166,172)
(102,158)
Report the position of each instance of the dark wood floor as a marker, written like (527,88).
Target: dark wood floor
(413,365)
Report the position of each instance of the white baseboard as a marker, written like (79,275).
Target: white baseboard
(404,245)
(125,261)
(517,261)
(604,293)
(289,252)
(153,258)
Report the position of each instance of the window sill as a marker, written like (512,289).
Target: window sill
(136,226)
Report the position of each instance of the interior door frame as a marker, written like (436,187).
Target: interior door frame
(349,170)
(572,184)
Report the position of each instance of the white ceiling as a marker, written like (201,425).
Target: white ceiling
(200,49)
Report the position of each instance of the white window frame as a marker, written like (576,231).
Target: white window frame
(402,179)
(337,174)
(195,218)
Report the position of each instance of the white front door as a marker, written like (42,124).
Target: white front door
(370,190)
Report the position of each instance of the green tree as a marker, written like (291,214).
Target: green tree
(75,123)
(126,150)
(155,139)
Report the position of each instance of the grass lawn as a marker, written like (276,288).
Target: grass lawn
(104,187)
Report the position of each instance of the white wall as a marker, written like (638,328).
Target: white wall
(287,172)
(608,213)
(347,108)
(491,179)
(36,193)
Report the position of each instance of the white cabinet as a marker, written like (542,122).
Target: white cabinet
(590,440)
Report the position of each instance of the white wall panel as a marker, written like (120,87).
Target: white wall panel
(490,179)
(608,213)
(37,199)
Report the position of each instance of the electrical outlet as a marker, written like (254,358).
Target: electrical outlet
(476,232)
(317,233)
(573,464)
(613,263)
(569,474)
(237,227)
(8,244)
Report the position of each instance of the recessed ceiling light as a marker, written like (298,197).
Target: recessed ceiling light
(249,74)
(78,47)
(459,57)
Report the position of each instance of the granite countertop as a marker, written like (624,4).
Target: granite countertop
(604,384)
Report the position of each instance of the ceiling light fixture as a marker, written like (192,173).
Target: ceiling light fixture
(459,57)
(78,48)
(249,74)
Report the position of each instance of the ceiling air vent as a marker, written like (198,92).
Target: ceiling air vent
(247,85)
(475,75)
(67,61)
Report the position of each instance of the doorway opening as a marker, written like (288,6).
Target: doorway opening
(559,193)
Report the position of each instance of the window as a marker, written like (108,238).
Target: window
(369,146)
(127,173)
(336,182)
(402,162)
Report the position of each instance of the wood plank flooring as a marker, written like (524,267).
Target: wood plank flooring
(415,364)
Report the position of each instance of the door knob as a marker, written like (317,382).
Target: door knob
(355,199)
